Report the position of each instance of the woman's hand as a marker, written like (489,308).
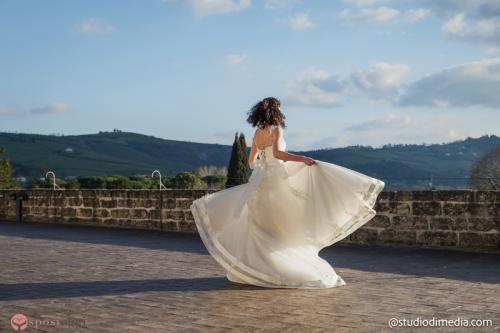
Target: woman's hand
(308,160)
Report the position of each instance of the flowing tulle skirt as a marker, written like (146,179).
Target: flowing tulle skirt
(268,232)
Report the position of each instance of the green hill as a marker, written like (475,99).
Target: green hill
(128,153)
(106,153)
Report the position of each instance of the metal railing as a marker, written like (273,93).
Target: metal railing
(392,183)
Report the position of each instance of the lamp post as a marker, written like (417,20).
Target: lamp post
(160,185)
(55,186)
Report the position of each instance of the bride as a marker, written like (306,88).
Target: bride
(268,232)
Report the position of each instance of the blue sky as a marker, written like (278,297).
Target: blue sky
(348,72)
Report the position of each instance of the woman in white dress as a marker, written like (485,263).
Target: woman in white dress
(268,232)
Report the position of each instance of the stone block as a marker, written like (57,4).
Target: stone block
(59,201)
(101,213)
(493,210)
(454,195)
(437,238)
(139,214)
(183,203)
(169,203)
(364,235)
(148,203)
(392,207)
(406,222)
(68,211)
(430,208)
(448,223)
(487,196)
(483,224)
(106,203)
(462,209)
(85,212)
(174,214)
(90,202)
(479,240)
(75,201)
(154,214)
(394,236)
(120,213)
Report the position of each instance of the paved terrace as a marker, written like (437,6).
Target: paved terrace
(145,281)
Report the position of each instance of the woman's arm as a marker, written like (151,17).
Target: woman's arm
(285,156)
(253,152)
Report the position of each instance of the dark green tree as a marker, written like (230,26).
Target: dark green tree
(237,171)
(244,159)
(232,169)
(6,179)
(186,180)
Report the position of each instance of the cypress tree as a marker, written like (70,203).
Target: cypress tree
(233,173)
(244,159)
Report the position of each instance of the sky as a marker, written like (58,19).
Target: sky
(347,72)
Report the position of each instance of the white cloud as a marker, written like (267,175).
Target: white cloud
(300,21)
(371,15)
(414,15)
(94,26)
(235,59)
(399,128)
(315,88)
(52,107)
(475,8)
(476,21)
(471,84)
(364,3)
(278,4)
(454,25)
(492,51)
(211,7)
(381,80)
(483,30)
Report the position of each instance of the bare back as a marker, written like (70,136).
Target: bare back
(264,137)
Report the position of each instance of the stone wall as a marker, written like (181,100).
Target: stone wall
(463,219)
(165,210)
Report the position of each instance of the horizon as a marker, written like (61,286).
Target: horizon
(426,144)
(352,72)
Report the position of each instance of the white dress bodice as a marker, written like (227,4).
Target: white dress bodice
(265,153)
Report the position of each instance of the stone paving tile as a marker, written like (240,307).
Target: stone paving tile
(144,281)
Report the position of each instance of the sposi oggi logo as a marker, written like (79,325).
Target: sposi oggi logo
(19,322)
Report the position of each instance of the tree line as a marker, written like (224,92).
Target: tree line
(205,178)
(485,175)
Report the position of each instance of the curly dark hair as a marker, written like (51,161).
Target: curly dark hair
(266,112)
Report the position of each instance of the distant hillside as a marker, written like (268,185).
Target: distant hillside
(128,153)
(107,153)
(413,165)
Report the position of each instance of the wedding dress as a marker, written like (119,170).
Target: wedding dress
(268,232)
